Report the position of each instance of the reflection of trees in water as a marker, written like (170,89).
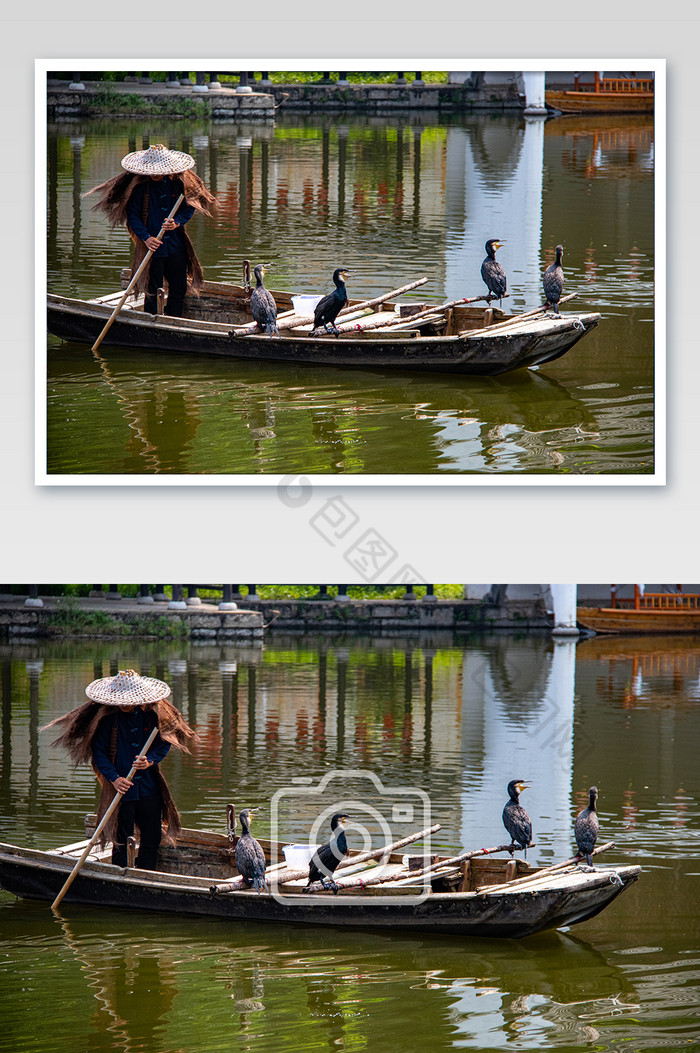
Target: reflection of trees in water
(134,987)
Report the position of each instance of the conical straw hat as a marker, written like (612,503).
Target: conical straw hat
(127,688)
(157,160)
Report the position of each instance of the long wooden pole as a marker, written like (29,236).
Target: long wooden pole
(133,281)
(101,825)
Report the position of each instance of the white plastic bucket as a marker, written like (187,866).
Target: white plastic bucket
(304,304)
(298,856)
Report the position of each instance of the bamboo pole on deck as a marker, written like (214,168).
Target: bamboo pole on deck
(436,309)
(291,322)
(296,875)
(545,872)
(452,861)
(516,319)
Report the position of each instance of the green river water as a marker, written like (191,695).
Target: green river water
(392,201)
(453,717)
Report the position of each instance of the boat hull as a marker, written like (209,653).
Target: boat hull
(600,101)
(617,620)
(483,352)
(511,914)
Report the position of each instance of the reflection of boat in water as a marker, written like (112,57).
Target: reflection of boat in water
(257,968)
(654,670)
(485,897)
(611,131)
(648,612)
(532,400)
(605,95)
(463,340)
(657,652)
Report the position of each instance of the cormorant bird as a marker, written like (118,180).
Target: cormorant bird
(515,819)
(249,856)
(492,272)
(262,304)
(326,858)
(553,281)
(586,827)
(328,308)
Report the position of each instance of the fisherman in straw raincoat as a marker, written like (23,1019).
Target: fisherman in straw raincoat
(142,197)
(110,731)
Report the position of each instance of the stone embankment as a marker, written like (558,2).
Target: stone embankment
(127,99)
(206,621)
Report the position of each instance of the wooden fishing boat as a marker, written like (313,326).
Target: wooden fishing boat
(481,896)
(651,612)
(605,95)
(646,620)
(465,339)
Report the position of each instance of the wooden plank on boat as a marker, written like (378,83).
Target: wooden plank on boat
(382,335)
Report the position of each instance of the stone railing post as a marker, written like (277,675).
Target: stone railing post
(177,603)
(33,599)
(227,603)
(430,596)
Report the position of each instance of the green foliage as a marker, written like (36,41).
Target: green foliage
(283,77)
(355,592)
(315,77)
(70,619)
(108,101)
(266,592)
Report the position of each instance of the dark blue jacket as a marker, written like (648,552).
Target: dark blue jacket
(162,195)
(132,731)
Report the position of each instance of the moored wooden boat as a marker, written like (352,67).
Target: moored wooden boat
(486,897)
(618,620)
(464,339)
(649,612)
(605,95)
